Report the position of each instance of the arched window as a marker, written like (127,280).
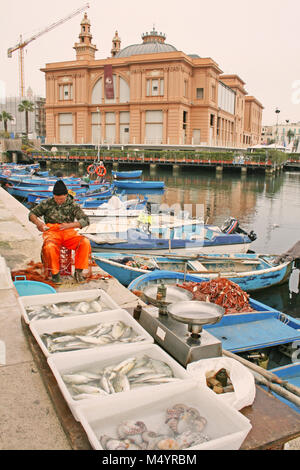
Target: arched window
(97,92)
(119,84)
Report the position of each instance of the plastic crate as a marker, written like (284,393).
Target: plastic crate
(106,301)
(39,327)
(226,427)
(95,360)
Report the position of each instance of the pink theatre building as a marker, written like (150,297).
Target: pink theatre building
(149,94)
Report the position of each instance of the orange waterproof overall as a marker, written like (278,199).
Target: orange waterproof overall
(54,239)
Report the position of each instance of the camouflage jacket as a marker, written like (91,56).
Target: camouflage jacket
(69,211)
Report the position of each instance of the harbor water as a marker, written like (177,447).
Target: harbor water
(269,205)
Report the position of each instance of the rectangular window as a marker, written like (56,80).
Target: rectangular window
(213,92)
(212,120)
(155,87)
(65,92)
(199,93)
(186,88)
(65,128)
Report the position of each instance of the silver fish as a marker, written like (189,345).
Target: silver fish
(88,389)
(118,329)
(83,307)
(120,383)
(125,366)
(75,379)
(92,340)
(95,306)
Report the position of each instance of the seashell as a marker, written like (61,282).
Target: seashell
(189,438)
(173,414)
(109,443)
(168,444)
(131,445)
(191,420)
(132,430)
(151,438)
(115,444)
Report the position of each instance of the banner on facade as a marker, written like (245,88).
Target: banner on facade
(108,82)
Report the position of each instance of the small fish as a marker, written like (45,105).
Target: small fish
(95,306)
(104,384)
(92,340)
(125,366)
(83,307)
(120,383)
(75,379)
(118,330)
(88,389)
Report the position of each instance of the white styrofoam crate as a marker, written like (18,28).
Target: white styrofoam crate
(106,301)
(226,427)
(95,360)
(40,327)
(5,276)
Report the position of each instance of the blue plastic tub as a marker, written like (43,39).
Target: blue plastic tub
(25,287)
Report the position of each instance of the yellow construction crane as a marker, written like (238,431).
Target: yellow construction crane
(22,44)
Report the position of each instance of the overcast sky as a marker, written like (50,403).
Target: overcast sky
(255,39)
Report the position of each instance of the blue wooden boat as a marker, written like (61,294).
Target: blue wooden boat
(290,373)
(137,185)
(252,272)
(198,237)
(36,181)
(125,175)
(32,193)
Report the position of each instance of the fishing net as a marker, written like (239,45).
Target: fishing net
(36,272)
(33,272)
(222,292)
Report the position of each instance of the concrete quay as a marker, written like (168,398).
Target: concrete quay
(28,418)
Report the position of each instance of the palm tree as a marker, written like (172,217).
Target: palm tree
(5,116)
(28,107)
(290,135)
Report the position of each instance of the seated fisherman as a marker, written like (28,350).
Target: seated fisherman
(62,215)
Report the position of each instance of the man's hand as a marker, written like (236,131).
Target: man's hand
(42,227)
(69,225)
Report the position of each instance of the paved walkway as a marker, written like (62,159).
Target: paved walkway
(27,417)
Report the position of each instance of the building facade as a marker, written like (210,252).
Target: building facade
(148,93)
(285,134)
(36,118)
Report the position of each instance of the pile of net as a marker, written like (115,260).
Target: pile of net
(222,292)
(36,272)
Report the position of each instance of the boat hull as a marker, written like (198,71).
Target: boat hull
(250,281)
(139,184)
(127,174)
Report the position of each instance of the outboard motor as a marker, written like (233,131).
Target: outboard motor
(231,225)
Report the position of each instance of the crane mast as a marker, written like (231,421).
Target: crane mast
(22,44)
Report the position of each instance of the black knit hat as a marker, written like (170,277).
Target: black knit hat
(60,188)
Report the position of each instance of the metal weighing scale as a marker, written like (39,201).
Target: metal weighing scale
(176,322)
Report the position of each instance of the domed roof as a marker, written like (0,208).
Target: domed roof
(153,43)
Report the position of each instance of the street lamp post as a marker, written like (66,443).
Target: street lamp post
(99,134)
(277,111)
